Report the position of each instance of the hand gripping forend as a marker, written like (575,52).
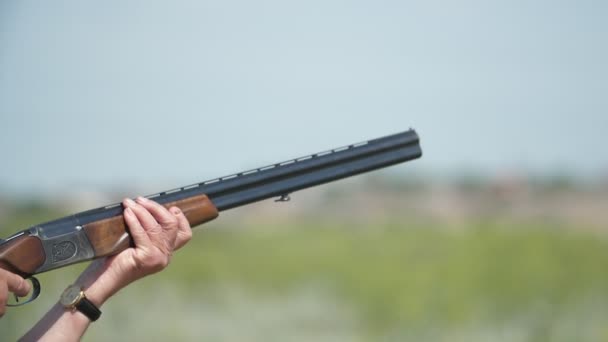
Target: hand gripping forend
(110,236)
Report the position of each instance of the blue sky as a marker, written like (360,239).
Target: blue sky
(139,92)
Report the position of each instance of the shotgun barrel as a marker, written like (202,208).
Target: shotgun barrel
(101,232)
(281,178)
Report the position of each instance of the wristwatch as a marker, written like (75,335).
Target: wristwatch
(73,298)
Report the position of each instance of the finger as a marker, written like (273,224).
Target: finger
(3,298)
(145,218)
(184,232)
(139,235)
(16,284)
(160,213)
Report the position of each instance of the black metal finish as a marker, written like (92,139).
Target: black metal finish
(277,179)
(65,243)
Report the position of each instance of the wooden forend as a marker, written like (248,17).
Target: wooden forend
(110,236)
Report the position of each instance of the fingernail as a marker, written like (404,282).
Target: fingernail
(176,211)
(128,211)
(129,202)
(142,199)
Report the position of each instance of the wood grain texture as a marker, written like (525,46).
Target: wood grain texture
(22,255)
(110,236)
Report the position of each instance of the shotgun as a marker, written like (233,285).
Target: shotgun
(102,232)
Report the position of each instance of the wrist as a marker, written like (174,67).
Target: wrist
(98,293)
(98,283)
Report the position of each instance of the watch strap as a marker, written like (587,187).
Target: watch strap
(88,309)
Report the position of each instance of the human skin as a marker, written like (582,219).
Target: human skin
(10,282)
(156,232)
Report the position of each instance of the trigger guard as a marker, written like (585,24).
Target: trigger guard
(35,292)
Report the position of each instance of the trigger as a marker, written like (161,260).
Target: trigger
(33,296)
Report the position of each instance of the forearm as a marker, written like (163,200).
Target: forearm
(61,324)
(58,324)
(156,233)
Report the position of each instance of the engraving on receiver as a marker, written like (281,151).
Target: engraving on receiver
(63,251)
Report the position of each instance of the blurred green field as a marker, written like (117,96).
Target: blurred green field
(323,280)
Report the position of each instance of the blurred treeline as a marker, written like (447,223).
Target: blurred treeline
(377,258)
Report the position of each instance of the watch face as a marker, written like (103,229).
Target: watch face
(71,295)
